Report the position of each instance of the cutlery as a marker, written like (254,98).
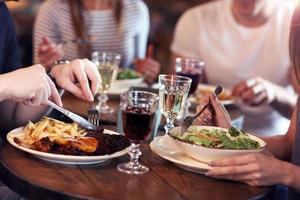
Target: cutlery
(76,118)
(187,122)
(73,41)
(93,116)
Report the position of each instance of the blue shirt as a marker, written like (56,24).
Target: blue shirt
(9,55)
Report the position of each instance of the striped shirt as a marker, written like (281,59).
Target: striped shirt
(129,38)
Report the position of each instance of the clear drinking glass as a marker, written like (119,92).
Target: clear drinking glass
(173,91)
(192,68)
(107,64)
(138,109)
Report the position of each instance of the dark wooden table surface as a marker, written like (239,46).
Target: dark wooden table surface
(37,179)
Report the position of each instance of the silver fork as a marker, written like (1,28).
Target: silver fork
(94,116)
(187,122)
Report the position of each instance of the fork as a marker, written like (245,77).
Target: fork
(187,122)
(93,116)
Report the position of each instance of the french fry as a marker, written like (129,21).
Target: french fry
(51,128)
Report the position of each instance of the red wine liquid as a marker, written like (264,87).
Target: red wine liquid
(195,79)
(137,123)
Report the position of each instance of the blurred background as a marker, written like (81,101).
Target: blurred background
(163,14)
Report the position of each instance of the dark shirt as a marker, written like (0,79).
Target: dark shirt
(9,55)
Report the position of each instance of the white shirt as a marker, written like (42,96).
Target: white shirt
(54,21)
(233,52)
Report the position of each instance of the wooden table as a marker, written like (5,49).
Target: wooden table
(36,179)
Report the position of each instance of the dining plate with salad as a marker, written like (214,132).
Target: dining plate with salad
(208,143)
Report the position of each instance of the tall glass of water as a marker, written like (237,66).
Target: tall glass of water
(107,64)
(173,91)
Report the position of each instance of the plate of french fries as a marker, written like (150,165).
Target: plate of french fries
(69,135)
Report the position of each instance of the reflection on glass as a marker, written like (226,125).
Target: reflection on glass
(138,110)
(173,91)
(107,64)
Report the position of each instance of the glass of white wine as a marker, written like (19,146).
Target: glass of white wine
(173,92)
(107,64)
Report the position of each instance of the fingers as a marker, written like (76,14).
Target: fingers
(46,40)
(239,88)
(82,78)
(93,76)
(216,104)
(71,87)
(54,93)
(48,52)
(148,67)
(206,118)
(252,91)
(237,160)
(150,51)
(234,169)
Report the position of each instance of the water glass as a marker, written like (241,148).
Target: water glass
(107,64)
(173,91)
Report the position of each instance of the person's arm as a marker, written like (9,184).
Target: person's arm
(145,64)
(285,142)
(33,87)
(46,35)
(22,89)
(284,101)
(218,116)
(10,51)
(258,91)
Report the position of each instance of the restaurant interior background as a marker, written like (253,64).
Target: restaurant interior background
(163,16)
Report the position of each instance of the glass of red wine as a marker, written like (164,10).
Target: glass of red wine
(138,109)
(191,68)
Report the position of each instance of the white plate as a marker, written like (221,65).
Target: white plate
(164,147)
(206,86)
(64,159)
(123,85)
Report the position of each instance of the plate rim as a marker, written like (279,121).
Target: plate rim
(39,154)
(224,102)
(176,161)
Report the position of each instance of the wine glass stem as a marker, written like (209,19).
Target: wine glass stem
(134,153)
(169,125)
(102,100)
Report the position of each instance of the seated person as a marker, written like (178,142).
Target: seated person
(20,89)
(73,29)
(262,169)
(244,45)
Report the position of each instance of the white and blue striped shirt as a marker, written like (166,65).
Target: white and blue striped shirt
(129,39)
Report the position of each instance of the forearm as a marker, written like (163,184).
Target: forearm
(291,175)
(17,114)
(279,146)
(4,88)
(284,101)
(23,113)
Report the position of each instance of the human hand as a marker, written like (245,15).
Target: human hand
(258,169)
(215,114)
(30,85)
(148,66)
(49,52)
(255,91)
(75,77)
